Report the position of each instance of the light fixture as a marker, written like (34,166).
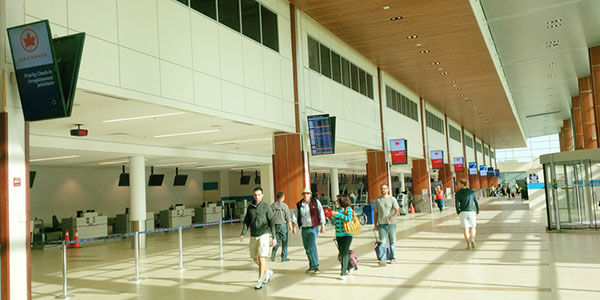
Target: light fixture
(457,89)
(464,95)
(144,117)
(386,7)
(551,44)
(242,141)
(216,166)
(396,18)
(554,23)
(452,81)
(113,162)
(245,168)
(425,51)
(187,133)
(53,158)
(551,65)
(549,76)
(439,69)
(177,164)
(435,63)
(410,37)
(444,73)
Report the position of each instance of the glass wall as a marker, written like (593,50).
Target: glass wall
(536,146)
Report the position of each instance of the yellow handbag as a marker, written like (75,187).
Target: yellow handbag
(352,227)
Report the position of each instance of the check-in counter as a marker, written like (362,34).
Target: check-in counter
(91,225)
(123,224)
(179,216)
(211,213)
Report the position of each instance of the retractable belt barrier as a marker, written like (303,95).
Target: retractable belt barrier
(136,234)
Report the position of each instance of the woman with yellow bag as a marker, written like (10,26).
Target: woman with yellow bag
(346,224)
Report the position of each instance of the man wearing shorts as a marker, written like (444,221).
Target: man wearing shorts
(259,218)
(467,208)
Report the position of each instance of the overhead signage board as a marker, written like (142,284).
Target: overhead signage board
(482,170)
(497,171)
(399,150)
(459,164)
(490,172)
(321,129)
(437,159)
(472,168)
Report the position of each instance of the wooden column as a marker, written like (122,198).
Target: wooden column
(420,182)
(568,135)
(586,97)
(578,124)
(483,182)
(377,172)
(446,177)
(465,162)
(288,167)
(561,139)
(594,54)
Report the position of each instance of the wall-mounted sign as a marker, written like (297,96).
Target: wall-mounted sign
(321,129)
(497,171)
(459,164)
(490,172)
(482,170)
(534,178)
(399,150)
(437,159)
(472,168)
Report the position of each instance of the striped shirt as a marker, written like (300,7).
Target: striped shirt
(344,215)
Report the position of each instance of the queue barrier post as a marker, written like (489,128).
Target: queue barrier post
(221,239)
(136,250)
(65,294)
(180,233)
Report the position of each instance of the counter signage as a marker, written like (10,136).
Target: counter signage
(399,151)
(472,168)
(482,170)
(459,164)
(437,159)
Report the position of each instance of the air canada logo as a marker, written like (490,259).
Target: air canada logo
(29,40)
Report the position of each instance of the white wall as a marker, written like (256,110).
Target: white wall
(398,125)
(163,52)
(357,115)
(480,160)
(456,148)
(61,191)
(436,140)
(470,154)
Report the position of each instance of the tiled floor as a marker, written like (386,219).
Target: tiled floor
(515,259)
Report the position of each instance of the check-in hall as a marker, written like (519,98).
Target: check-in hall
(389,149)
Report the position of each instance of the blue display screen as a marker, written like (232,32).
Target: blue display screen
(321,129)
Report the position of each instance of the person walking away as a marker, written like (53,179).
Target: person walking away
(353,197)
(439,198)
(283,223)
(386,210)
(309,216)
(259,219)
(467,208)
(342,214)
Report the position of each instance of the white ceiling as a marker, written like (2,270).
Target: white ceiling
(51,138)
(543,79)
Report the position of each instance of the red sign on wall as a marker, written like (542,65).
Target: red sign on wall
(437,159)
(398,149)
(459,164)
(16,181)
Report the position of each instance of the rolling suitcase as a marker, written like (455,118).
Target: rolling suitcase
(378,243)
(353,258)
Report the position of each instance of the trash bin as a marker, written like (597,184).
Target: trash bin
(403,204)
(369,211)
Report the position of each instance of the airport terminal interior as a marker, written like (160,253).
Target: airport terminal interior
(134,134)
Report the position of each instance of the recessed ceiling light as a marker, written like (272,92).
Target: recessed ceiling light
(177,164)
(419,45)
(444,73)
(551,44)
(144,117)
(187,133)
(458,89)
(550,76)
(554,23)
(53,158)
(386,7)
(551,65)
(217,166)
(435,63)
(412,37)
(242,141)
(113,162)
(396,18)
(425,51)
(452,81)
(439,69)
(464,95)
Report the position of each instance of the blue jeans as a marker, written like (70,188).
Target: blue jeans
(309,241)
(387,231)
(281,233)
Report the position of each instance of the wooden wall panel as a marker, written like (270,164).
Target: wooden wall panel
(376,172)
(588,114)
(568,135)
(578,124)
(288,167)
(594,54)
(446,177)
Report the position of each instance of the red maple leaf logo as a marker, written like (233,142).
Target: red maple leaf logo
(397,143)
(29,40)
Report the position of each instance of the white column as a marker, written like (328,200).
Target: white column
(137,202)
(402,183)
(266,183)
(224,183)
(335,184)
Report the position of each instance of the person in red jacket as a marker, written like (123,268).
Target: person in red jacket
(439,198)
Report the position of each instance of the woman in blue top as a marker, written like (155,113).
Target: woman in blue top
(341,215)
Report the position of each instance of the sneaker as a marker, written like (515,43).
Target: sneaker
(350,271)
(382,263)
(473,245)
(316,270)
(393,261)
(310,270)
(285,259)
(268,275)
(342,277)
(259,284)
(273,255)
(468,247)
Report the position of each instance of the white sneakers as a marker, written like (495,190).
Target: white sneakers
(343,277)
(261,283)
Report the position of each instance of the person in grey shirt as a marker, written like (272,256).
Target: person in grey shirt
(386,210)
(283,223)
